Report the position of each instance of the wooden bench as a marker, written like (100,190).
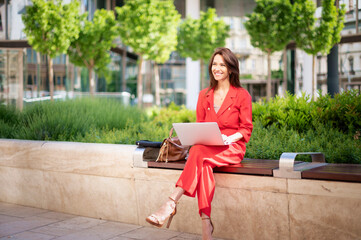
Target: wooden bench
(247,166)
(286,167)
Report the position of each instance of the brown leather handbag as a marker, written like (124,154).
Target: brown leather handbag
(172,150)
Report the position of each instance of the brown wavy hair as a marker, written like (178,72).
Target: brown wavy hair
(231,62)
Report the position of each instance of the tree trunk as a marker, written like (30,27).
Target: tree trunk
(67,75)
(78,79)
(91,81)
(202,74)
(314,83)
(268,87)
(157,84)
(38,73)
(124,67)
(7,76)
(19,102)
(51,78)
(140,82)
(72,81)
(284,71)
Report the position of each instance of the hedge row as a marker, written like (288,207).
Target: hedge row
(329,125)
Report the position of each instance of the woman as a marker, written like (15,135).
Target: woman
(228,104)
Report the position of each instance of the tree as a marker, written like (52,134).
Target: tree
(314,36)
(91,48)
(149,27)
(50,26)
(269,27)
(198,38)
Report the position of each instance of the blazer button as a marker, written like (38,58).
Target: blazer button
(229,108)
(209,109)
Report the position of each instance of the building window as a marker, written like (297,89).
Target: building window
(119,3)
(231,23)
(29,55)
(242,64)
(351,7)
(205,4)
(34,56)
(101,4)
(180,6)
(242,24)
(350,59)
(1,23)
(319,3)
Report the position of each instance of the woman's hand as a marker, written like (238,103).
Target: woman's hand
(232,138)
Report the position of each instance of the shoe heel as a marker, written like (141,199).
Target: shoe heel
(170,220)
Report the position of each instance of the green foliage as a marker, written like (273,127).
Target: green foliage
(290,124)
(95,39)
(245,76)
(291,112)
(199,37)
(149,27)
(269,25)
(271,142)
(314,36)
(9,119)
(50,26)
(71,120)
(164,117)
(343,112)
(84,76)
(9,114)
(277,74)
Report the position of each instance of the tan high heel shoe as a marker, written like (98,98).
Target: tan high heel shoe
(210,220)
(159,222)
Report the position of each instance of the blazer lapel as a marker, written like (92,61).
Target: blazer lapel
(228,101)
(209,98)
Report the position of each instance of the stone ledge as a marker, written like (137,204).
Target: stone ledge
(98,180)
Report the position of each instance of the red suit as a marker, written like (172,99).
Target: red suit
(235,115)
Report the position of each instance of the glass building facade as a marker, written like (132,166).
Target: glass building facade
(24,72)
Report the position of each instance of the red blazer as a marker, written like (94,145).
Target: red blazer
(235,114)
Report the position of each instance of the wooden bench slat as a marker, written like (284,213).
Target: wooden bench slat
(251,166)
(339,172)
(167,165)
(247,166)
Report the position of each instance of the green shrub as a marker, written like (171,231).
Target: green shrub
(9,114)
(245,76)
(342,112)
(73,119)
(164,117)
(290,112)
(9,121)
(7,130)
(271,142)
(277,74)
(288,124)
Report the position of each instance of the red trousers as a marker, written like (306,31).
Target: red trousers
(197,176)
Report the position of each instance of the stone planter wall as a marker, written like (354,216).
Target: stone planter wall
(99,180)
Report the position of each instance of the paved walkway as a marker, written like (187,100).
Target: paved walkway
(26,223)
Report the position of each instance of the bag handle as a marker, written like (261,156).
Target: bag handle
(170,133)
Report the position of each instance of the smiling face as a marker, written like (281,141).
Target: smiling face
(219,69)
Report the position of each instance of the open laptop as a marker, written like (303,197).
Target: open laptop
(205,133)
